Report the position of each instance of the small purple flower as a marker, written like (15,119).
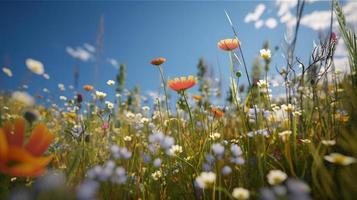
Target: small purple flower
(209,158)
(146,158)
(87,190)
(167,142)
(236,150)
(237,160)
(226,170)
(217,149)
(206,167)
(157,162)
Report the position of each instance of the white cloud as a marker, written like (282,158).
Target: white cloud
(317,20)
(79,53)
(271,23)
(285,6)
(342,64)
(320,20)
(254,16)
(113,62)
(89,47)
(258,24)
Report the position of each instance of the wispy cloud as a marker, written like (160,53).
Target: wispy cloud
(320,20)
(113,62)
(271,23)
(254,16)
(89,47)
(81,53)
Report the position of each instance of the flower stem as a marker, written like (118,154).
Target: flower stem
(188,107)
(165,91)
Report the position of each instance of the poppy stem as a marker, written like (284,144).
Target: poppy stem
(165,91)
(188,107)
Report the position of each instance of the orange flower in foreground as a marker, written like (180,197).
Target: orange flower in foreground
(217,112)
(158,61)
(17,159)
(88,87)
(181,84)
(228,44)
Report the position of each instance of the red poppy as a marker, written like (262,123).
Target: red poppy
(217,112)
(17,159)
(228,44)
(87,87)
(158,61)
(181,84)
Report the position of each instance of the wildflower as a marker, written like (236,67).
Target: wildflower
(110,82)
(206,179)
(31,115)
(79,98)
(297,186)
(182,84)
(119,175)
(127,138)
(197,97)
(297,113)
(157,162)
(288,108)
(306,141)
(226,170)
(144,120)
(87,190)
(340,159)
(105,125)
(109,104)
(236,150)
(328,142)
(145,108)
(61,87)
(158,61)
(7,71)
(342,117)
(265,54)
(19,160)
(100,95)
(88,87)
(275,177)
(240,193)
(333,37)
(175,150)
(263,84)
(23,97)
(228,44)
(46,76)
(218,113)
(217,149)
(156,175)
(35,66)
(63,98)
(285,135)
(215,136)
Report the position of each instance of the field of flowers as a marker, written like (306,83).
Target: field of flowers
(303,146)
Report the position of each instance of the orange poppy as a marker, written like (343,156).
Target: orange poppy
(181,84)
(17,159)
(228,44)
(217,112)
(158,61)
(88,87)
(197,97)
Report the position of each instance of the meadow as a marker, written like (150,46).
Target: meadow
(301,146)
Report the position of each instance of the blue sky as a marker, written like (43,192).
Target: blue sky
(134,33)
